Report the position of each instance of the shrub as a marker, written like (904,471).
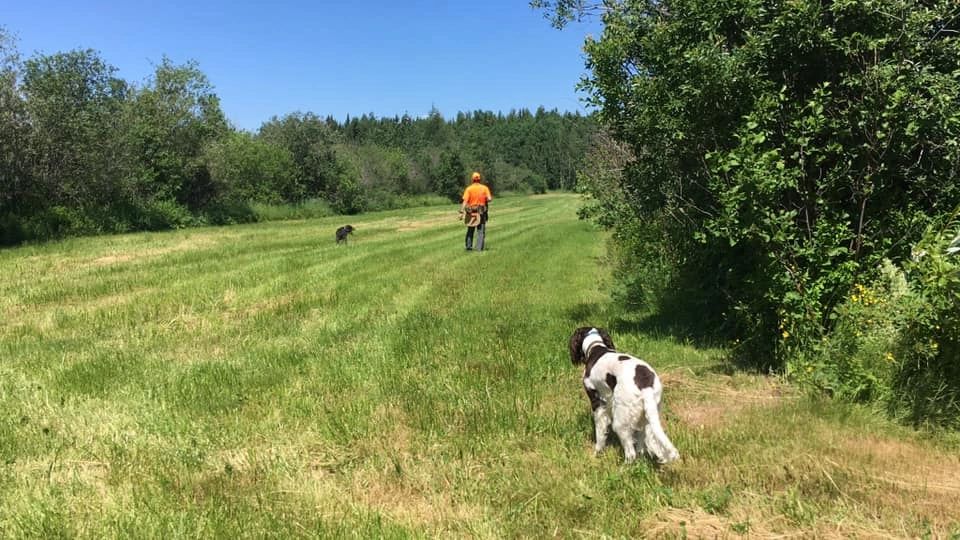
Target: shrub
(11,230)
(896,341)
(927,382)
(535,183)
(857,360)
(228,212)
(249,169)
(160,215)
(449,177)
(309,209)
(782,150)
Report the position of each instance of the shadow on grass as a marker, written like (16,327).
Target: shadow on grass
(660,325)
(681,319)
(585,313)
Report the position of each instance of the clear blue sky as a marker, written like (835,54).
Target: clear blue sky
(328,57)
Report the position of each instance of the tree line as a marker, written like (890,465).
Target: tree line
(83,151)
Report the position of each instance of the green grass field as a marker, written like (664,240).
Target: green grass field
(259,381)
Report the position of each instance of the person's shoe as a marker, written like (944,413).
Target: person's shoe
(469,249)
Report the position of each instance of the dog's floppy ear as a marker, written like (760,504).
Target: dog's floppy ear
(576,345)
(607,340)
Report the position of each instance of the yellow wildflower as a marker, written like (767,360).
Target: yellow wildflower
(889,357)
(785,334)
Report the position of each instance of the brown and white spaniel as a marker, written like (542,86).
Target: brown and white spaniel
(624,391)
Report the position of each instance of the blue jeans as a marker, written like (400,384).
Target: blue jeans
(481,232)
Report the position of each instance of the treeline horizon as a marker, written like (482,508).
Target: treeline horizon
(83,151)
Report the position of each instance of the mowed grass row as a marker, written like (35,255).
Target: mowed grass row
(260,381)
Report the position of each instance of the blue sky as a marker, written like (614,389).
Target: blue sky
(328,57)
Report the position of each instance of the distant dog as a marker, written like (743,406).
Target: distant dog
(342,233)
(624,391)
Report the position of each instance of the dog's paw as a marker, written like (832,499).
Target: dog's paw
(669,458)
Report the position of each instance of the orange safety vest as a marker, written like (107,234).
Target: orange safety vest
(477,194)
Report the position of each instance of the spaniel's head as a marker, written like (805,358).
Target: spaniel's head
(580,334)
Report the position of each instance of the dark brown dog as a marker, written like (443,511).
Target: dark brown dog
(342,233)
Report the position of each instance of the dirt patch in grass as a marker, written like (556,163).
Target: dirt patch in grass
(691,523)
(751,521)
(786,471)
(708,405)
(783,470)
(902,477)
(905,463)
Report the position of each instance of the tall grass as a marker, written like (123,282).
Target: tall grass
(310,209)
(261,381)
(318,208)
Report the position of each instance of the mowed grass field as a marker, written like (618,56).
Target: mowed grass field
(259,381)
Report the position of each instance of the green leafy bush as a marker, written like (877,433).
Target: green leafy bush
(311,208)
(160,215)
(927,382)
(228,212)
(896,341)
(857,361)
(781,150)
(248,169)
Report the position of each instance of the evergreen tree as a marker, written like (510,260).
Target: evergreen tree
(450,176)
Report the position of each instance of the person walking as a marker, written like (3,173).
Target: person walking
(476,198)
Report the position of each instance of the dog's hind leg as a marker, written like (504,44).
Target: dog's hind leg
(627,418)
(625,428)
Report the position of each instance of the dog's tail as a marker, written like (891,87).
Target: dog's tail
(655,440)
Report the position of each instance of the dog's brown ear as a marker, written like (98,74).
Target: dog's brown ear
(576,345)
(607,340)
